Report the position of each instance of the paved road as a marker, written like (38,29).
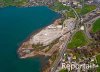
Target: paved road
(90,21)
(76,14)
(54,67)
(86,32)
(62,51)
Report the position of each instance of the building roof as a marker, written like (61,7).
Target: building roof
(97,1)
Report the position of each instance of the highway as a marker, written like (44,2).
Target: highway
(63,49)
(61,53)
(89,21)
(64,45)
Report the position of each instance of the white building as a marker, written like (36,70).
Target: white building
(63,0)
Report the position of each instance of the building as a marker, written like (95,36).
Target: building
(63,0)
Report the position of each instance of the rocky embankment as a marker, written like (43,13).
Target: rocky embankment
(36,45)
(46,41)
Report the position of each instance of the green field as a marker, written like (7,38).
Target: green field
(79,39)
(58,6)
(70,14)
(12,2)
(98,62)
(63,70)
(96,26)
(85,9)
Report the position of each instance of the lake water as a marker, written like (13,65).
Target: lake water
(16,24)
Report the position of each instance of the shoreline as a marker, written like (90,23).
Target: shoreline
(33,34)
(36,31)
(31,46)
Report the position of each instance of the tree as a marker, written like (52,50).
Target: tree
(63,70)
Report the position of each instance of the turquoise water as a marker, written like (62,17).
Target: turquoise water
(16,24)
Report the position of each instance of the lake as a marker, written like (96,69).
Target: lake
(16,24)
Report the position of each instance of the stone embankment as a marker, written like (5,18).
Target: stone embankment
(48,38)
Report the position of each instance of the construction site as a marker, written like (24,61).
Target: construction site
(48,40)
(52,32)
